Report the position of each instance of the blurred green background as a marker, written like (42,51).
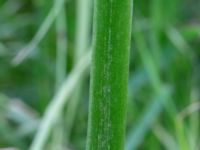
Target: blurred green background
(41,45)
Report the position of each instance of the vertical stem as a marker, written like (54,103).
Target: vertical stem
(83,28)
(43,79)
(82,42)
(109,74)
(157,23)
(61,59)
(61,47)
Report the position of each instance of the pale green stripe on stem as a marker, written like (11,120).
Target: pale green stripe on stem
(109,74)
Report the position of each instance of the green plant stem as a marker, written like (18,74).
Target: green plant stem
(109,74)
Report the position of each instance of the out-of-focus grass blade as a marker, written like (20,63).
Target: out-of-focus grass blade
(147,58)
(150,114)
(58,102)
(191,112)
(61,66)
(83,20)
(20,113)
(61,47)
(40,33)
(137,80)
(178,40)
(181,135)
(7,133)
(165,138)
(194,124)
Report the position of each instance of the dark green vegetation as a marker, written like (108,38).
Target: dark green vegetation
(109,74)
(44,75)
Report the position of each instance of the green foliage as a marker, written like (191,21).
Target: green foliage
(44,75)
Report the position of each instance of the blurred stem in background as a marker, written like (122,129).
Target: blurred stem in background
(135,137)
(55,107)
(83,28)
(61,46)
(156,15)
(151,113)
(194,123)
(151,59)
(44,83)
(40,34)
(58,137)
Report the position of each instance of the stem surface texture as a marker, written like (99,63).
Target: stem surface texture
(109,74)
